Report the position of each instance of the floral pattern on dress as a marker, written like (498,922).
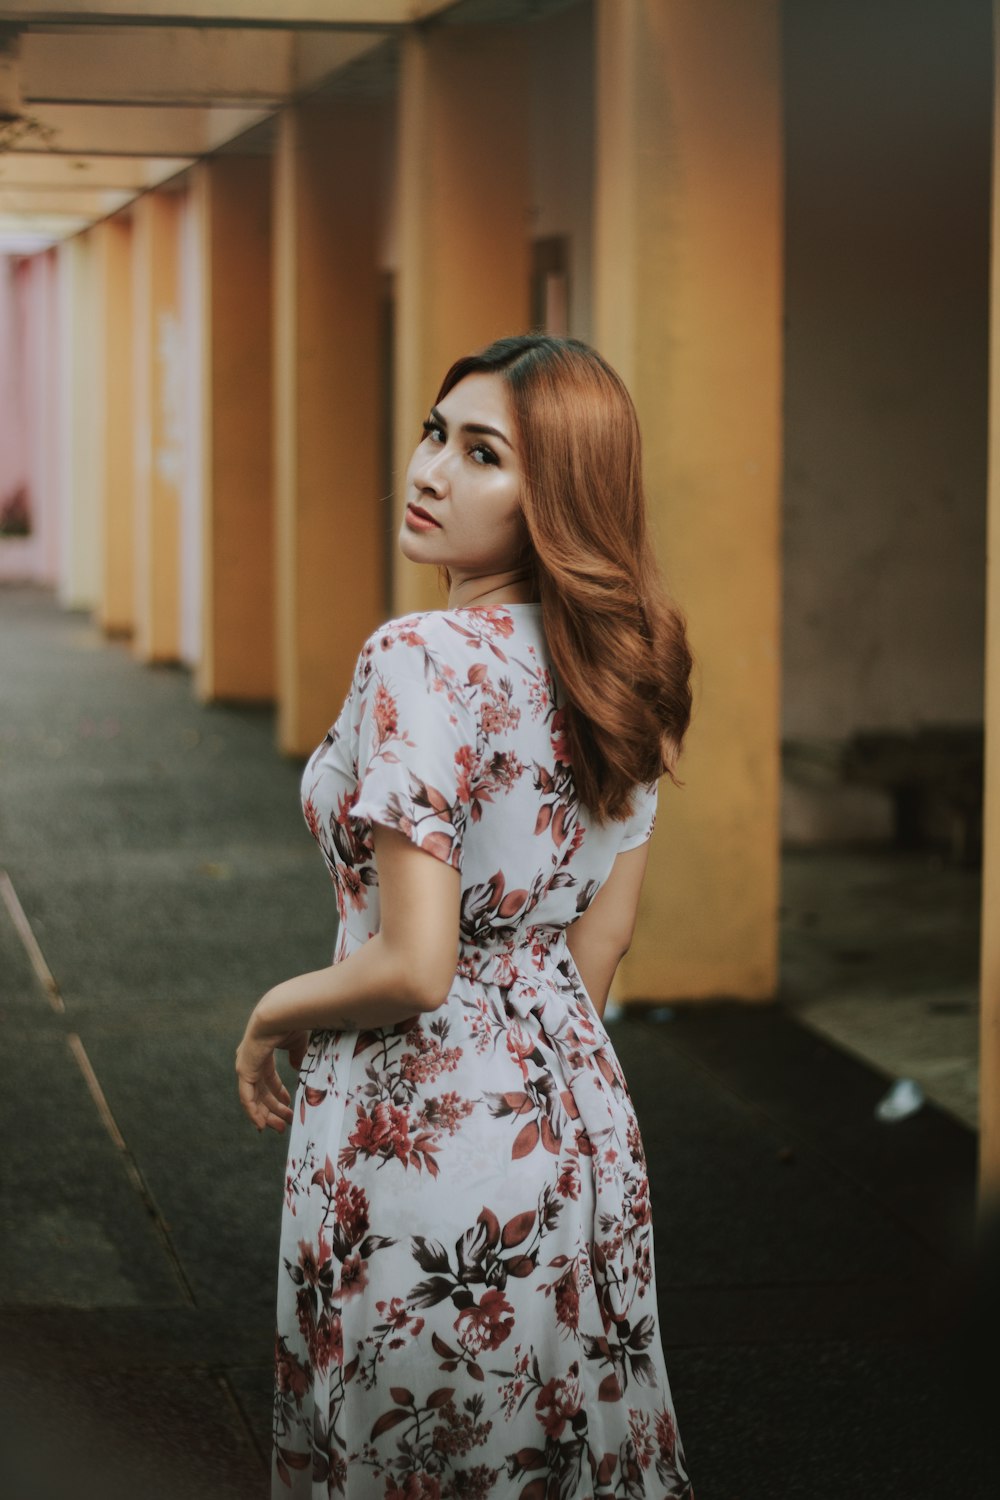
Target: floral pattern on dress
(467,1307)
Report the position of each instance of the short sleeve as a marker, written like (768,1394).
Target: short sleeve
(639,827)
(415,741)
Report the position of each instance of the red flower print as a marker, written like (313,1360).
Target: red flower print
(638,1422)
(414,1487)
(350,1205)
(395,1316)
(464,760)
(326,1346)
(560,744)
(568,1185)
(666,1433)
(384,1133)
(311,816)
(487,1325)
(384,710)
(520,1045)
(640,1204)
(291,1376)
(568,1301)
(308,1262)
(558,1402)
(353,1276)
(499,621)
(352,883)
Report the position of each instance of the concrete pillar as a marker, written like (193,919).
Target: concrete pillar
(464,226)
(159,427)
(688,294)
(80,497)
(989,1049)
(114,299)
(328,441)
(237,646)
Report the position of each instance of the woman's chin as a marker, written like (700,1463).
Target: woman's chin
(416,546)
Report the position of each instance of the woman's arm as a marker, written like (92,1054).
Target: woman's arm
(407,967)
(600,938)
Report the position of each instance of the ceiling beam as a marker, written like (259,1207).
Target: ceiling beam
(28,203)
(25,169)
(128,66)
(271,14)
(94,130)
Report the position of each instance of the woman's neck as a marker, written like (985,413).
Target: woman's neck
(514,587)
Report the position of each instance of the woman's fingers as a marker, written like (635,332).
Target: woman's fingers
(263,1109)
(262,1094)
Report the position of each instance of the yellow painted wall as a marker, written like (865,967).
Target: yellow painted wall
(113,240)
(464,226)
(79,453)
(238,628)
(159,435)
(688,285)
(327,434)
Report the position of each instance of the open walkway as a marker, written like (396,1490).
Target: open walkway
(813,1264)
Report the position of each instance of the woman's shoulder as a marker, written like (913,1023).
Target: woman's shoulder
(447,633)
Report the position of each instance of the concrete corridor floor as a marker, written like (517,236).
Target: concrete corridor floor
(816,1283)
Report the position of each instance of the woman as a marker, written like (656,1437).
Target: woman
(467,1305)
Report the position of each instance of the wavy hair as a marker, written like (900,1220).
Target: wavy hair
(618,644)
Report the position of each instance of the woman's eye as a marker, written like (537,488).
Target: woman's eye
(434,431)
(484,455)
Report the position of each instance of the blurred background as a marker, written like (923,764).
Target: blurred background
(240,243)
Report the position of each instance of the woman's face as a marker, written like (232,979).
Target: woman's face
(463,485)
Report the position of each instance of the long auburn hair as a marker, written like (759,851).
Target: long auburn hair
(618,645)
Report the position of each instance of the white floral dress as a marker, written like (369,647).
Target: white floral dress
(466,1302)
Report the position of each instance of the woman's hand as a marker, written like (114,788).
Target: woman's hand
(263,1096)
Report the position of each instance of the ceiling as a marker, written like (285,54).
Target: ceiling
(101,100)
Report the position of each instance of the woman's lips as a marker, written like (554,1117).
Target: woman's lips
(420,520)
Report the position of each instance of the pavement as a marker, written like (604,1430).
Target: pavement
(828,1315)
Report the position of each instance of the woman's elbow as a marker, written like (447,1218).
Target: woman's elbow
(423,979)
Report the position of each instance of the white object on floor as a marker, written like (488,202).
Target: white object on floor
(903,1099)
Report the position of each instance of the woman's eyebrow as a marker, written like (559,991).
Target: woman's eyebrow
(475,427)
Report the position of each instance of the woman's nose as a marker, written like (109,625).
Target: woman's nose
(430,470)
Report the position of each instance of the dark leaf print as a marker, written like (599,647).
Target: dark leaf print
(544,817)
(428,1254)
(438,1398)
(642,1368)
(534,1491)
(609,1389)
(386,1421)
(401,1395)
(642,1333)
(315,1096)
(440,1347)
(475,1371)
(430,1293)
